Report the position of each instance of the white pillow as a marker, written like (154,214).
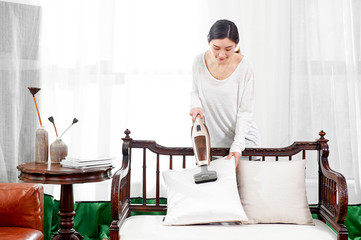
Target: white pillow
(274,192)
(190,203)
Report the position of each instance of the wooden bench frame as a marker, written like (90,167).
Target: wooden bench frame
(332,188)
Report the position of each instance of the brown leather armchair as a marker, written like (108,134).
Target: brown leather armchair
(21,211)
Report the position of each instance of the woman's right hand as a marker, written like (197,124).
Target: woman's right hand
(196,111)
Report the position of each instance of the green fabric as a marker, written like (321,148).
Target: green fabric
(51,217)
(149,201)
(92,219)
(353,222)
(48,215)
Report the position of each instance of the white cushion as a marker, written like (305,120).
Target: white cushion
(274,192)
(190,203)
(151,228)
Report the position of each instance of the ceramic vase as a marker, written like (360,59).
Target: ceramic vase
(58,151)
(41,145)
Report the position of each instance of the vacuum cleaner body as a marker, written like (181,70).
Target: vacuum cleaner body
(202,151)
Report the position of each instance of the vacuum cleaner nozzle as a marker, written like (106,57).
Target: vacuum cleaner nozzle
(205,175)
(202,149)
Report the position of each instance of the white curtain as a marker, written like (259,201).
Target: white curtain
(19,68)
(325,81)
(127,64)
(116,65)
(306,56)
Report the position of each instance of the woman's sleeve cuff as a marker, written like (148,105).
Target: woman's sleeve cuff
(236,148)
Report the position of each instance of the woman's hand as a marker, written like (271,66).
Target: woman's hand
(236,156)
(196,111)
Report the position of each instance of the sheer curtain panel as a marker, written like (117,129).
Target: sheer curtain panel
(325,81)
(19,68)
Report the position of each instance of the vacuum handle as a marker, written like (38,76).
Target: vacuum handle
(200,118)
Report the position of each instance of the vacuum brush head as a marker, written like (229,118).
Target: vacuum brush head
(205,175)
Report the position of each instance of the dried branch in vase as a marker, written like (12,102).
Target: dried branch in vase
(74,121)
(51,119)
(33,91)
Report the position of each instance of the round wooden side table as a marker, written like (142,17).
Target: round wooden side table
(46,173)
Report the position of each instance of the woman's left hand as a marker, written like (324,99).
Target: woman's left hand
(236,156)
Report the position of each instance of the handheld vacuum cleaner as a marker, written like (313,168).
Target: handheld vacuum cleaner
(202,151)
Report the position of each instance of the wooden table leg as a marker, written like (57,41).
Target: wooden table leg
(66,213)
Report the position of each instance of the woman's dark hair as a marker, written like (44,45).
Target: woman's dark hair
(223,29)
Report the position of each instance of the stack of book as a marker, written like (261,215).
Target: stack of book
(83,163)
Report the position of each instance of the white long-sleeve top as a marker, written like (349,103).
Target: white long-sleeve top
(227,105)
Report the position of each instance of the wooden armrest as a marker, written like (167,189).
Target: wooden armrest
(333,192)
(120,200)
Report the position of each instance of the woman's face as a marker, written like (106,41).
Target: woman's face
(222,49)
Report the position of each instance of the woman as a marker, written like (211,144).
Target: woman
(223,91)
